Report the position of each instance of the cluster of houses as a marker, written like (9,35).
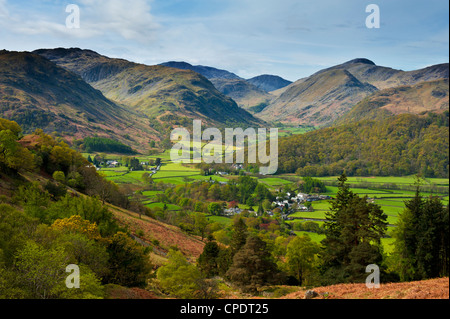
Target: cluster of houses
(285,202)
(115,163)
(299,199)
(112,163)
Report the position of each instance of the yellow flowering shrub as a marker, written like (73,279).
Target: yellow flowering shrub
(78,224)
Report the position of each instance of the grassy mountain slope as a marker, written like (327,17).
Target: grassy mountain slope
(317,100)
(36,93)
(330,93)
(384,77)
(243,92)
(169,94)
(415,99)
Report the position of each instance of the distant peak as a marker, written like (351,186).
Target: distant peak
(64,51)
(360,60)
(177,64)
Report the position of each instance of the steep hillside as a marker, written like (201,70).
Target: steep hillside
(268,82)
(328,94)
(36,93)
(152,231)
(317,100)
(243,92)
(399,145)
(166,93)
(415,99)
(383,77)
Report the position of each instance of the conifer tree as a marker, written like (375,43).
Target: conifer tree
(207,261)
(253,267)
(353,229)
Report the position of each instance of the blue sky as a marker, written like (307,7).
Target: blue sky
(290,38)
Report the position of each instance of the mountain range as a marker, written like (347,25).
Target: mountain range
(325,96)
(80,93)
(247,93)
(165,94)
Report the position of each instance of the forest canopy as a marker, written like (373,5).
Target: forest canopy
(405,144)
(101,144)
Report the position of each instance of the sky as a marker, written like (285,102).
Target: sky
(289,38)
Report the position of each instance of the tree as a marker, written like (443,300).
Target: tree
(253,266)
(59,176)
(215,209)
(147,178)
(260,211)
(41,270)
(128,262)
(421,239)
(214,192)
(179,278)
(200,224)
(301,258)
(353,230)
(207,261)
(13,155)
(246,186)
(239,235)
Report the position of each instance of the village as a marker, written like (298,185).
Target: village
(286,205)
(133,165)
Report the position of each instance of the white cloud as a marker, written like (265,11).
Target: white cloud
(4,13)
(290,38)
(130,20)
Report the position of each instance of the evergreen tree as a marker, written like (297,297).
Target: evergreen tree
(207,261)
(239,236)
(253,266)
(354,229)
(421,239)
(260,209)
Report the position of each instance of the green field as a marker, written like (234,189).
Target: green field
(151,194)
(220,219)
(384,191)
(287,131)
(309,215)
(274,181)
(387,243)
(410,180)
(161,205)
(314,236)
(216,178)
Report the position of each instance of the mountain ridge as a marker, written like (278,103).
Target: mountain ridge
(164,93)
(36,93)
(302,102)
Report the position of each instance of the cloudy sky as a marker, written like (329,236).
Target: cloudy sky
(290,38)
